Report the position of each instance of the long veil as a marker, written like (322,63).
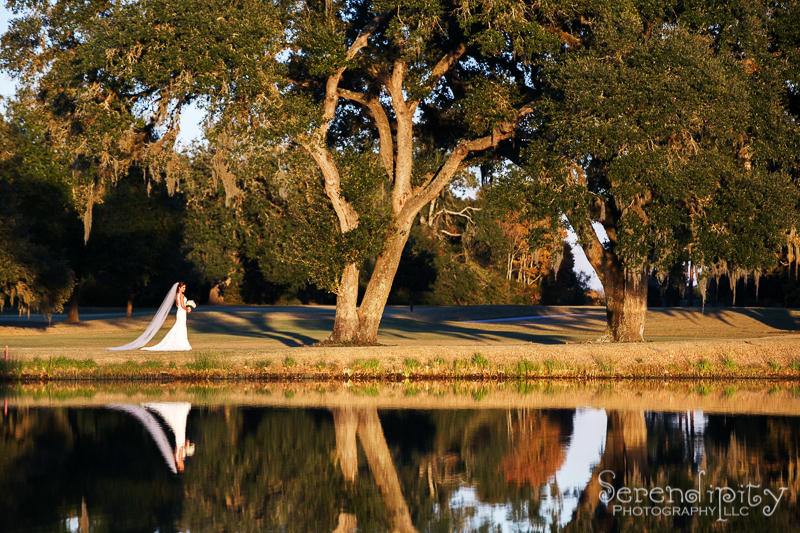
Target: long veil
(155,324)
(153,427)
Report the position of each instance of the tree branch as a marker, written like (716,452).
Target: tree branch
(502,132)
(331,98)
(366,32)
(405,138)
(384,127)
(567,38)
(441,69)
(346,214)
(463,213)
(316,146)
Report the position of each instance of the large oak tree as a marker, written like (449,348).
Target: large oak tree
(427,86)
(672,132)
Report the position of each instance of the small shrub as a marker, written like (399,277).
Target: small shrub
(10,366)
(703,365)
(206,361)
(65,363)
(372,364)
(263,365)
(437,361)
(605,366)
(289,362)
(774,366)
(480,360)
(551,366)
(525,367)
(459,365)
(795,365)
(411,364)
(728,363)
(320,365)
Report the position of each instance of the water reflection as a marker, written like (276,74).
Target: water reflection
(174,415)
(355,467)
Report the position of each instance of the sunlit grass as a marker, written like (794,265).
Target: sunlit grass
(205,361)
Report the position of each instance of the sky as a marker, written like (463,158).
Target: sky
(6,85)
(190,130)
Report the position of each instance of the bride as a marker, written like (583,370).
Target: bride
(177,339)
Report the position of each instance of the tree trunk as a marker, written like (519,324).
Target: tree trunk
(83,522)
(72,314)
(625,454)
(345,421)
(217,294)
(625,289)
(383,470)
(626,305)
(380,284)
(345,326)
(360,324)
(131,295)
(347,523)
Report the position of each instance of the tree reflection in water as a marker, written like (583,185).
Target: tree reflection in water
(350,468)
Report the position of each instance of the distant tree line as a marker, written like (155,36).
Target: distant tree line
(335,131)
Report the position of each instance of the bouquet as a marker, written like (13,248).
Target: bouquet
(190,304)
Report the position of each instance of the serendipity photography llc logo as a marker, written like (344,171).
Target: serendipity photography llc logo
(705,500)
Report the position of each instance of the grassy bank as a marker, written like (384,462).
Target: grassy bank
(432,343)
(773,358)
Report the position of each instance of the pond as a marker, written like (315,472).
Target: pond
(372,457)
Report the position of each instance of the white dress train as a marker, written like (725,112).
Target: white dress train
(177,339)
(174,414)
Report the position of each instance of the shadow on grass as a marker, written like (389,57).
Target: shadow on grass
(259,326)
(774,317)
(407,329)
(301,332)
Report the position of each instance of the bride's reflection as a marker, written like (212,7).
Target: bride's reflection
(174,414)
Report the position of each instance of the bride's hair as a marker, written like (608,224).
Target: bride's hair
(181,284)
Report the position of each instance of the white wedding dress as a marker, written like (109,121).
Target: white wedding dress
(177,339)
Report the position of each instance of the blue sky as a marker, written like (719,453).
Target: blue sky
(6,86)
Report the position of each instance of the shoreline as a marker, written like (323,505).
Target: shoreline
(773,358)
(710,396)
